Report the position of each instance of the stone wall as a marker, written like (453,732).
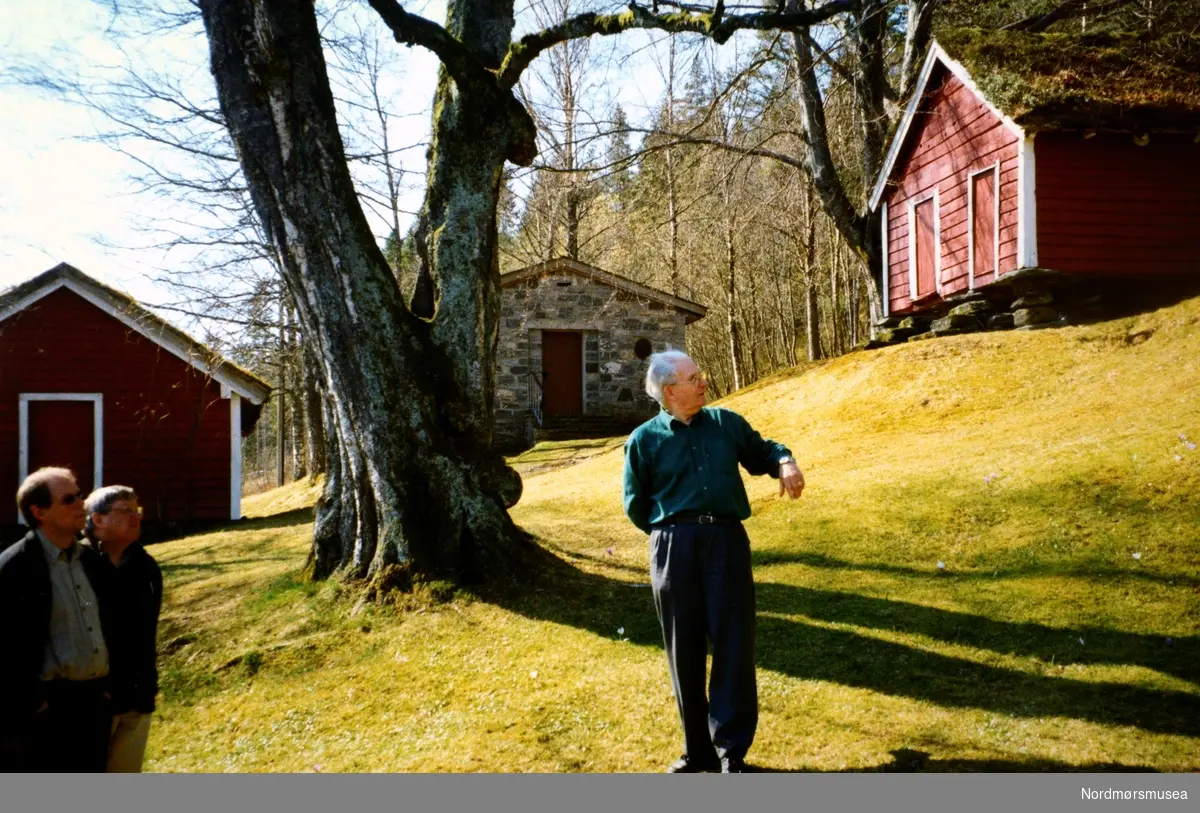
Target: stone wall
(1035,298)
(611,320)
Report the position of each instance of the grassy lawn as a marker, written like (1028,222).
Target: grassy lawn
(994,567)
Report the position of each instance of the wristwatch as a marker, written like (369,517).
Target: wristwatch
(788,459)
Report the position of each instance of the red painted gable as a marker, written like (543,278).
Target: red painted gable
(968,196)
(954,136)
(166,428)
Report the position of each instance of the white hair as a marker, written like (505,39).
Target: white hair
(662,371)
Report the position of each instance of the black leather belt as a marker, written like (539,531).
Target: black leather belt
(700,519)
(62,689)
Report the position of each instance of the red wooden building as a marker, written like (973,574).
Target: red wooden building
(1024,151)
(94,382)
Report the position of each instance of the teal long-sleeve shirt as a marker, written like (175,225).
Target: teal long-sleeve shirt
(676,468)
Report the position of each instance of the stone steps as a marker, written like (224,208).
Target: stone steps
(571,427)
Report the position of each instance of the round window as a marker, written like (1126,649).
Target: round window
(642,348)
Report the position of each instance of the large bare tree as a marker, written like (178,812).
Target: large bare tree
(417,488)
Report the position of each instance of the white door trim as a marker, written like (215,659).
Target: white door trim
(235,456)
(1027,252)
(887,272)
(97,400)
(995,170)
(913,202)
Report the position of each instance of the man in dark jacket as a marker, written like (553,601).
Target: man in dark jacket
(114,523)
(54,706)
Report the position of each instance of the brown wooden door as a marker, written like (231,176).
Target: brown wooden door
(983,226)
(61,433)
(562,371)
(926,248)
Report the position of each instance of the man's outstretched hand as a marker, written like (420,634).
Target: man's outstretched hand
(791,480)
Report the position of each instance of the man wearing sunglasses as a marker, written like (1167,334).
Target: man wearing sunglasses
(683,487)
(54,705)
(114,524)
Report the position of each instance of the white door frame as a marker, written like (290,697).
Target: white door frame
(235,456)
(97,400)
(913,203)
(995,170)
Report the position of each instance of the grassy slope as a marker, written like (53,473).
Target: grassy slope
(1034,466)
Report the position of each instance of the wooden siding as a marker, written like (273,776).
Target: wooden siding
(166,427)
(1108,206)
(954,135)
(63,433)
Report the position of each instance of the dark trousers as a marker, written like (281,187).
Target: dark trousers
(703,588)
(71,734)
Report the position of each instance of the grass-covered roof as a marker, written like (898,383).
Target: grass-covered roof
(1127,82)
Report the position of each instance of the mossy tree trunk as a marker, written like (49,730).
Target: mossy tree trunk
(413,485)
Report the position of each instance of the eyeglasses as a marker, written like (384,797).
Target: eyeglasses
(697,378)
(132,512)
(70,499)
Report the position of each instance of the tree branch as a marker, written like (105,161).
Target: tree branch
(721,144)
(826,57)
(411,29)
(1066,11)
(916,43)
(717,26)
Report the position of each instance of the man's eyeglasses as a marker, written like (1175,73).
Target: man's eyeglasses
(697,378)
(132,512)
(70,499)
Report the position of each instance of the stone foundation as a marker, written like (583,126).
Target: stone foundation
(1033,299)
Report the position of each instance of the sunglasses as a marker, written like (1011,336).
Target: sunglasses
(70,499)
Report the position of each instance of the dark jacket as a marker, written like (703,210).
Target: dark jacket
(25,597)
(135,600)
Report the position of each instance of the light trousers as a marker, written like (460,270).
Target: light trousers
(127,744)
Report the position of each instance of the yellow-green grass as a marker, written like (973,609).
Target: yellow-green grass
(557,454)
(1033,465)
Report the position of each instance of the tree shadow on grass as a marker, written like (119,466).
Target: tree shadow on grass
(806,651)
(847,658)
(942,506)
(284,519)
(1052,645)
(220,566)
(610,562)
(1093,572)
(910,760)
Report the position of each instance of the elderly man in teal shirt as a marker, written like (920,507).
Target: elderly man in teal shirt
(682,486)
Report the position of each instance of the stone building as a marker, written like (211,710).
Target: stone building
(573,340)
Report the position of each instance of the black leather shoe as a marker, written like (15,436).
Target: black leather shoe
(686,764)
(733,765)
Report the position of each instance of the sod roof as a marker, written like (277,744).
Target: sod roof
(1057,81)
(127,310)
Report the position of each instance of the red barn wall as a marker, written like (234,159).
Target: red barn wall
(166,427)
(1108,206)
(954,135)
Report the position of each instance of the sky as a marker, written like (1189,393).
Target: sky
(55,191)
(65,198)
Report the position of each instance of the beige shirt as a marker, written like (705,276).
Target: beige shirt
(75,649)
